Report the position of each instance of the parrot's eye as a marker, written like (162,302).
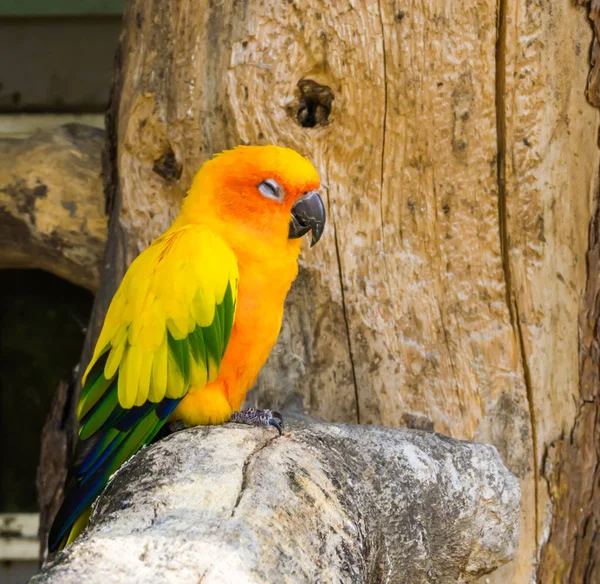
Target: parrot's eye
(271,189)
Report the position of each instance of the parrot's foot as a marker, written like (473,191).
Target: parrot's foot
(254,417)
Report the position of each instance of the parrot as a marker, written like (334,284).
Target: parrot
(194,317)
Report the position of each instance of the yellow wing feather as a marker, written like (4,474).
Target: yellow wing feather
(169,290)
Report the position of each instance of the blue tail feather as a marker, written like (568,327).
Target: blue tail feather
(96,456)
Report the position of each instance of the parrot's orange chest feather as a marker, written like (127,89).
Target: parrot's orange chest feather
(262,289)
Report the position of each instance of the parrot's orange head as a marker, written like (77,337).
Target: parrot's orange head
(268,192)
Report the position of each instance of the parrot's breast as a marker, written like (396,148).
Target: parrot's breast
(261,296)
(262,289)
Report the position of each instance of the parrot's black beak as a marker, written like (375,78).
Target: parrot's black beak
(308,214)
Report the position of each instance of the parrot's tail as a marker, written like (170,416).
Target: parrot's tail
(75,531)
(98,457)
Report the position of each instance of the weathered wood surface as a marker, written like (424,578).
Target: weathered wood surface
(551,171)
(52,212)
(324,503)
(54,460)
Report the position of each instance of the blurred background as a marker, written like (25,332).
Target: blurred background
(56,68)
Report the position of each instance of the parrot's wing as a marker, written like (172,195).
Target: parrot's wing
(166,329)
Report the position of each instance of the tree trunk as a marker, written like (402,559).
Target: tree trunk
(459,163)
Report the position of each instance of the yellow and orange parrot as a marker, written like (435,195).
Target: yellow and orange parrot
(195,316)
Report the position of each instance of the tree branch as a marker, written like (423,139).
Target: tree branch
(324,503)
(52,204)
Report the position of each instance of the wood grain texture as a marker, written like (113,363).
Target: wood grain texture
(570,461)
(459,164)
(51,205)
(551,184)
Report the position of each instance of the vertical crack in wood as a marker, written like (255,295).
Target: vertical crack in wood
(532,418)
(385,110)
(344,310)
(501,150)
(511,302)
(346,323)
(245,469)
(382,159)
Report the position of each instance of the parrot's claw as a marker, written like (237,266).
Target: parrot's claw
(255,417)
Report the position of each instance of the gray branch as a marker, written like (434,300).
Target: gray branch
(324,503)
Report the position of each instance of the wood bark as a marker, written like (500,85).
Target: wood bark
(322,503)
(52,213)
(452,290)
(54,459)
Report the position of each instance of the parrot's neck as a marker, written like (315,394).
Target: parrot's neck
(251,246)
